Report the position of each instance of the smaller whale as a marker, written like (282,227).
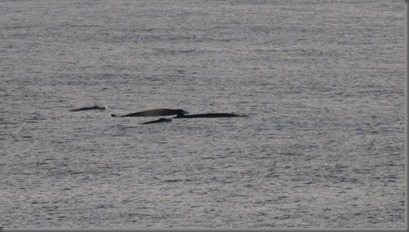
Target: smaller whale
(155,112)
(158,121)
(90,108)
(209,115)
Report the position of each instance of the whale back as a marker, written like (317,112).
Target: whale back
(155,112)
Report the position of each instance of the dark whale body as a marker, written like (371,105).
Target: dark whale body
(155,112)
(158,121)
(90,108)
(209,115)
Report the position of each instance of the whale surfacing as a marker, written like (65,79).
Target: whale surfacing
(90,108)
(154,112)
(177,113)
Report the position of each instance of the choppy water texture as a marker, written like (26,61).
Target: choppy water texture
(322,83)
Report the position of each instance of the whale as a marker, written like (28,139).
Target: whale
(90,108)
(154,112)
(181,114)
(209,115)
(158,121)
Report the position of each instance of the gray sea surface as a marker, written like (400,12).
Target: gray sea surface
(322,83)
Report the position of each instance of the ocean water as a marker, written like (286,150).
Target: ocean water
(322,82)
